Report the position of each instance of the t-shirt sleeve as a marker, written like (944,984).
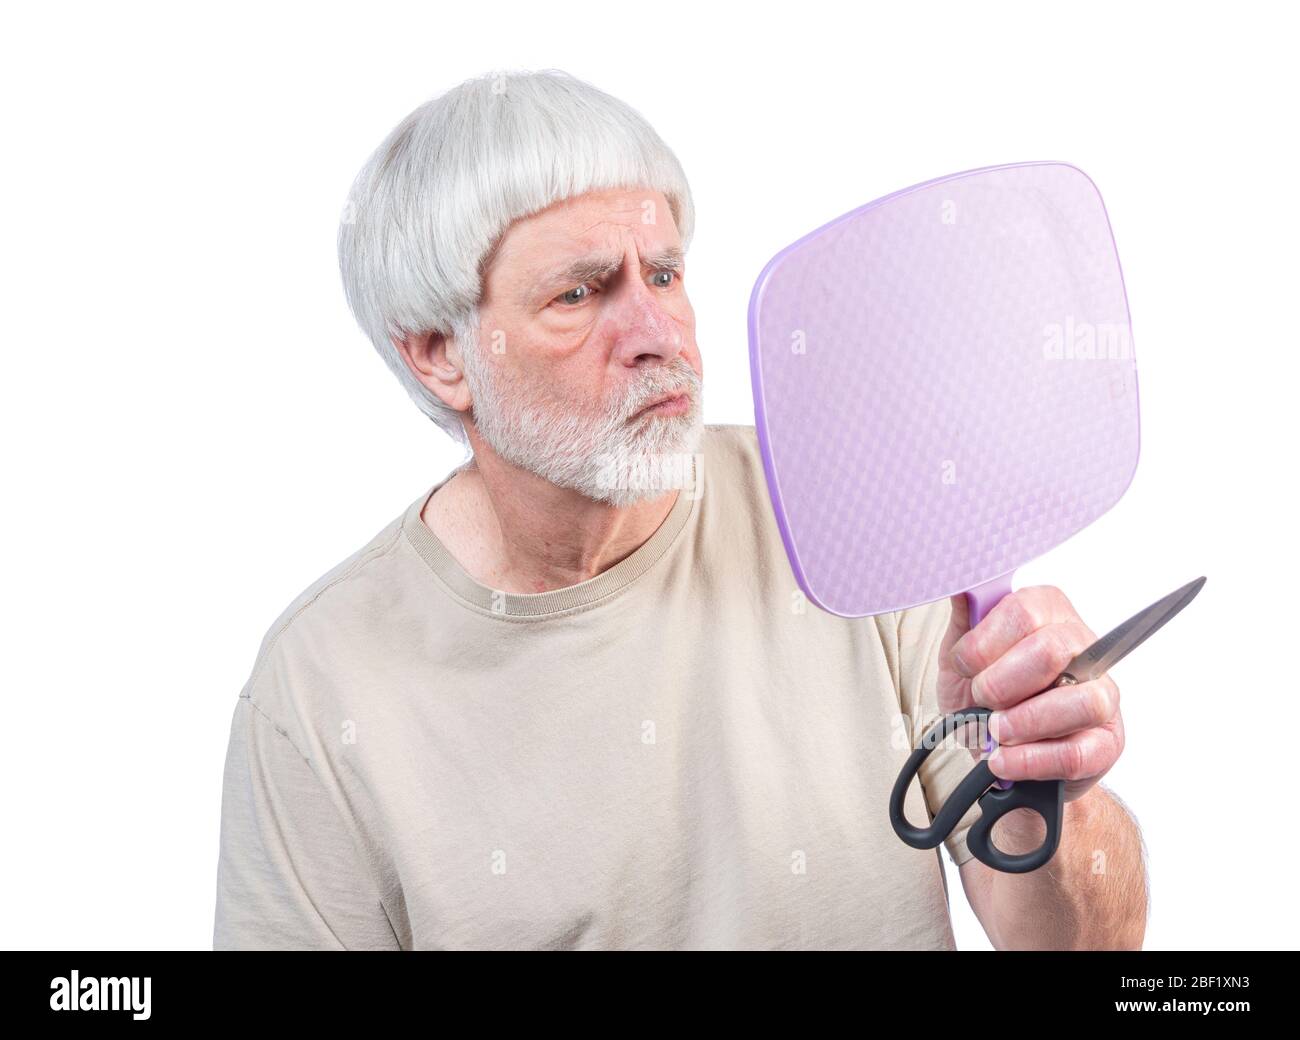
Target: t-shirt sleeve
(289,876)
(920,636)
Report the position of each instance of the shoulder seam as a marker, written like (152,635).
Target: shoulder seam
(343,821)
(277,727)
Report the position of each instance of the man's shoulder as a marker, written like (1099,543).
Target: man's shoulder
(730,449)
(737,436)
(340,590)
(737,513)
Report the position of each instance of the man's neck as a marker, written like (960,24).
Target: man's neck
(516,532)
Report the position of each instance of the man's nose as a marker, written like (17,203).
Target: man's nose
(643,328)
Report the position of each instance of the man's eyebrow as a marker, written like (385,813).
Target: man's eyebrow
(590,268)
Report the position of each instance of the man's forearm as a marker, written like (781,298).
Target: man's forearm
(1093,893)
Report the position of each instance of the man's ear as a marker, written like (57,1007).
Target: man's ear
(434,360)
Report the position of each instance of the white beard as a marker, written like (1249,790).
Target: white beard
(605,456)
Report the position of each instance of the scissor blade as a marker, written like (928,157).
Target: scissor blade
(1111,648)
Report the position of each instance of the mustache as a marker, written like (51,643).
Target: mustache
(679,379)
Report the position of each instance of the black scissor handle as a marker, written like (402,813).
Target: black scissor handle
(955,808)
(1045,797)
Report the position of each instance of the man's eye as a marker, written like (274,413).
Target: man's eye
(569,297)
(671,275)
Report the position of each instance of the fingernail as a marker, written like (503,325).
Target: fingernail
(995,761)
(963,669)
(999,727)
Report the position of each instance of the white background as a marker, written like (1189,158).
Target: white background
(195,429)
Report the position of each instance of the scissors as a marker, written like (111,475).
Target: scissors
(1045,797)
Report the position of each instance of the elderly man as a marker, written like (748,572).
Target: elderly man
(568,698)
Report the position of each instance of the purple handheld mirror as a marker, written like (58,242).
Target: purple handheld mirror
(944,387)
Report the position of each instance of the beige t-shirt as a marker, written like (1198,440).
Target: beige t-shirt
(678,753)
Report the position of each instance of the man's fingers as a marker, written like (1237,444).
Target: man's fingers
(1076,757)
(1057,712)
(1016,616)
(1031,665)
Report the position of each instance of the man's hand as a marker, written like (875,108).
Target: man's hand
(1007,662)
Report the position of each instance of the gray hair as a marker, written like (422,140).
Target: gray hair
(430,205)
